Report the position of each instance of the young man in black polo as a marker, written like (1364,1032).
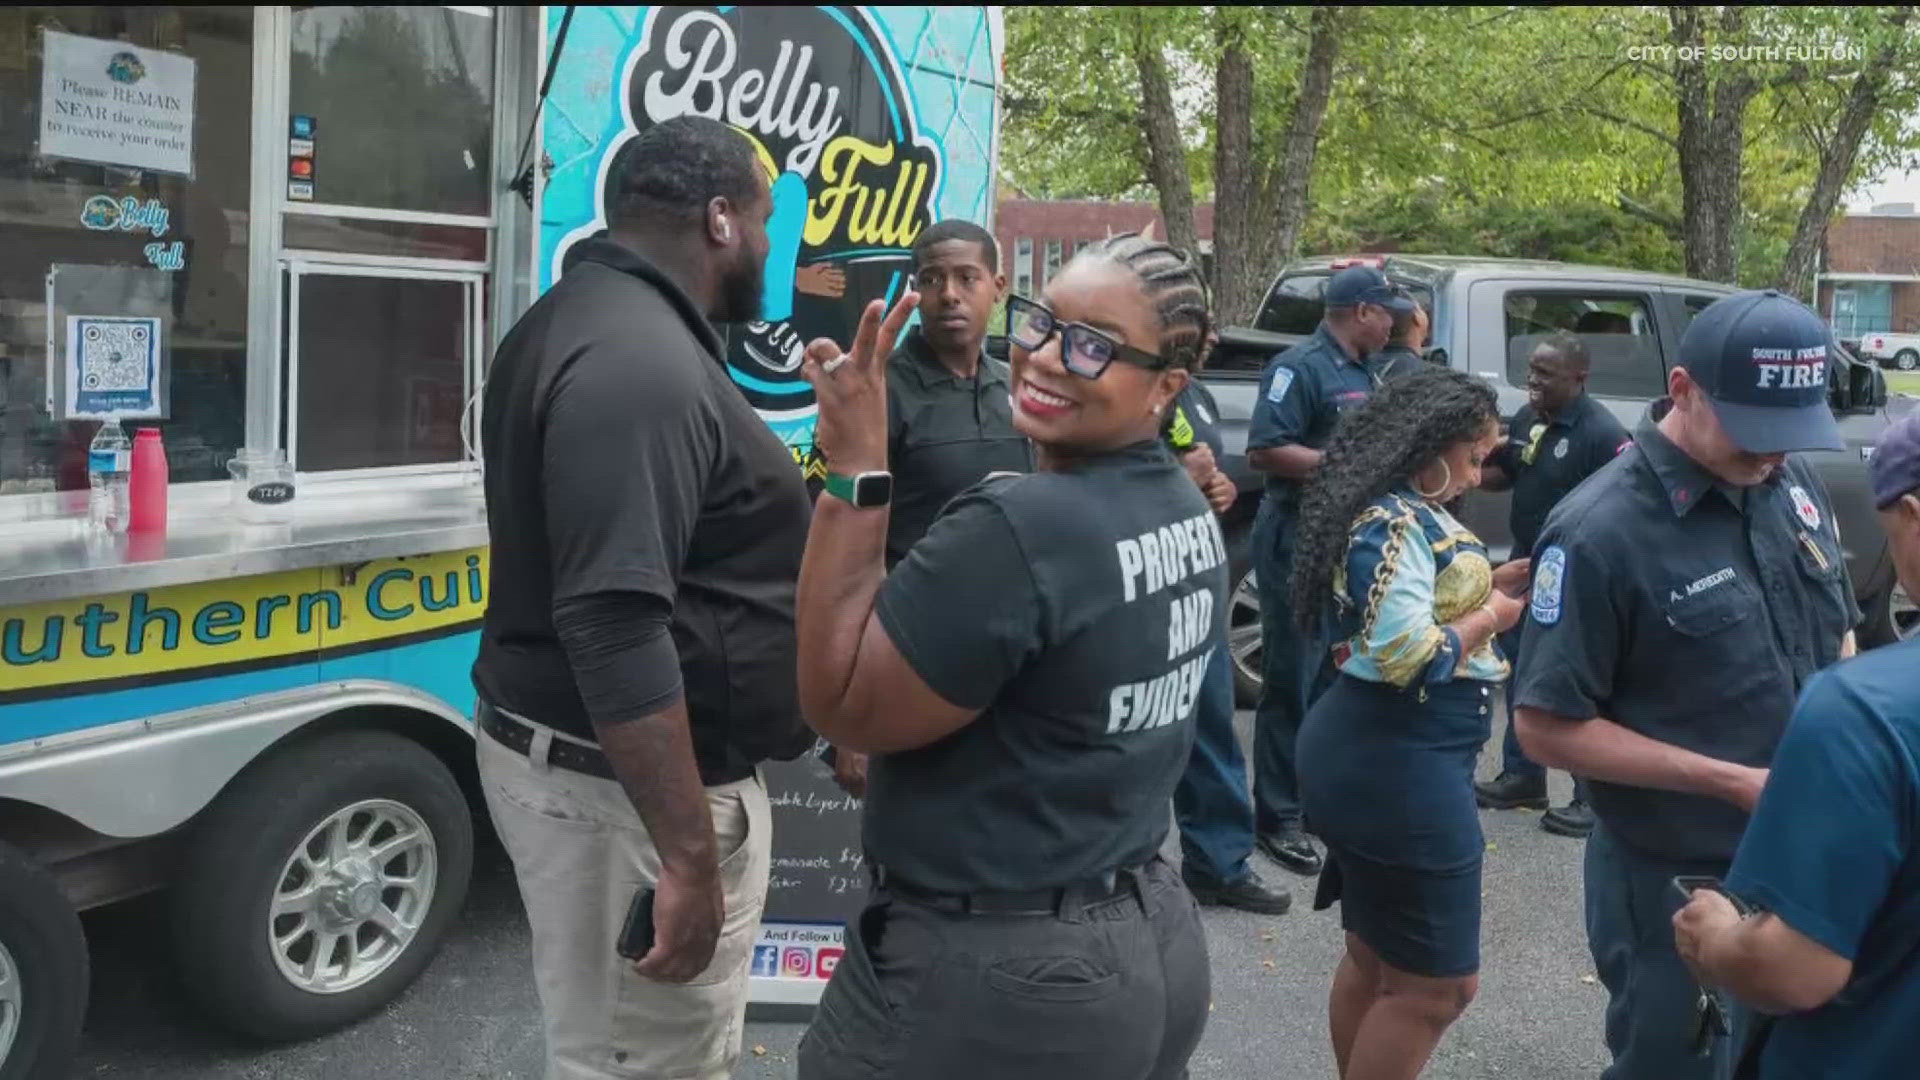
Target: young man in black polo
(1559,437)
(949,404)
(638,660)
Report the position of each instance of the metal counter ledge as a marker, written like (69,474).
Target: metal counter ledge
(46,555)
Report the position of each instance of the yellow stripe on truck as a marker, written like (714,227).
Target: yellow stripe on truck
(181,628)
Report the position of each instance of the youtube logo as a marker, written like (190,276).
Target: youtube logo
(826,962)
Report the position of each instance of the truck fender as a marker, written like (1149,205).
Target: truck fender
(144,777)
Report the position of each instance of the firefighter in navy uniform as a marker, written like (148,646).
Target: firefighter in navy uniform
(1681,600)
(1024,681)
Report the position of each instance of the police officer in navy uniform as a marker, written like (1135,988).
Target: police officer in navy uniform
(1302,394)
(1682,599)
(1559,437)
(1024,681)
(1212,804)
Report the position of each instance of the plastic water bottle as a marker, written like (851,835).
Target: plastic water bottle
(109,465)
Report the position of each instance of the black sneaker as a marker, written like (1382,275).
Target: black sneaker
(1291,849)
(1511,791)
(1248,894)
(1574,819)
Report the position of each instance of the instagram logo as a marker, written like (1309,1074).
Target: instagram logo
(829,959)
(796,964)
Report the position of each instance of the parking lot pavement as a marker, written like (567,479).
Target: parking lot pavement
(474,1014)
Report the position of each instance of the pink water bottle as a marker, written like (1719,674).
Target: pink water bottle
(147,487)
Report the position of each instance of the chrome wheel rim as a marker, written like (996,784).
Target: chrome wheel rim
(1243,628)
(10,1002)
(1903,613)
(352,896)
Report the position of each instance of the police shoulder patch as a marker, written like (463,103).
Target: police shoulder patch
(1804,507)
(1282,382)
(1549,580)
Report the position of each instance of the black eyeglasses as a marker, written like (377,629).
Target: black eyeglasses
(1085,351)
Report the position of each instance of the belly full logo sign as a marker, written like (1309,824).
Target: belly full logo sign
(822,96)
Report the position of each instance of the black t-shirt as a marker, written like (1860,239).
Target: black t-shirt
(621,459)
(944,434)
(1547,459)
(1691,617)
(1079,611)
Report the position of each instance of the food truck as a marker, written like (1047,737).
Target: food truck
(288,238)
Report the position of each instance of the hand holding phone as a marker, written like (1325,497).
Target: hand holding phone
(636,936)
(1686,884)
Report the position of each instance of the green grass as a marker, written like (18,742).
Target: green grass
(1903,382)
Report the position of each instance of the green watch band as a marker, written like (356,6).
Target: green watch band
(867,490)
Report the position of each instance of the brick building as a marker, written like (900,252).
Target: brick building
(1038,236)
(1870,272)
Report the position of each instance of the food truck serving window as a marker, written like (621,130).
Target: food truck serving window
(386,233)
(124,151)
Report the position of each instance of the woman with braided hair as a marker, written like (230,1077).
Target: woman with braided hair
(1024,681)
(1411,604)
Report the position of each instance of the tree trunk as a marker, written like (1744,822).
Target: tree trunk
(1295,174)
(1166,153)
(1233,170)
(1837,159)
(1712,121)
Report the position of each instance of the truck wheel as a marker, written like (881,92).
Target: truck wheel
(1893,616)
(320,884)
(1243,616)
(43,972)
(1907,360)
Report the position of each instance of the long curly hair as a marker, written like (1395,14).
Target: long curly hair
(1407,424)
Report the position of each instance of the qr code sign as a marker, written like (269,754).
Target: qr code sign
(115,366)
(115,356)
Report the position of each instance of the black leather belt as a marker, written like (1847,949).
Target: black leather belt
(1107,886)
(518,737)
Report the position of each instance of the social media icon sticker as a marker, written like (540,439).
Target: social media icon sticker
(797,964)
(826,962)
(766,961)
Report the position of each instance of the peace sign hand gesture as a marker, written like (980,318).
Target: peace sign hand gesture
(851,389)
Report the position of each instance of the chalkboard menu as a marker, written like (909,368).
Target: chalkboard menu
(818,873)
(817,886)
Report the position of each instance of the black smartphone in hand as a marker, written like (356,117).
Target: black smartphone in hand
(1686,884)
(636,937)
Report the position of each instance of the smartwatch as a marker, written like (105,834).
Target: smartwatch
(866,491)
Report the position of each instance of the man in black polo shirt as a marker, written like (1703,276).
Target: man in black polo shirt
(1559,437)
(638,659)
(1681,600)
(949,404)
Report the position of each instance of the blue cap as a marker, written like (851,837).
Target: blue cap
(1761,358)
(1364,285)
(1895,466)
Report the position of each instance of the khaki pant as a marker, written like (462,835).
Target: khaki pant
(580,852)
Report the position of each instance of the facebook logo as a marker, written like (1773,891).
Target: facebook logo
(766,961)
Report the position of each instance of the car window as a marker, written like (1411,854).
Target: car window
(1617,329)
(1297,303)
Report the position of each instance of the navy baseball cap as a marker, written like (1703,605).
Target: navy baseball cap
(1364,285)
(1895,466)
(1761,358)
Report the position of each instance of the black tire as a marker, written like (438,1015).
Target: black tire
(1246,678)
(1907,360)
(46,951)
(235,862)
